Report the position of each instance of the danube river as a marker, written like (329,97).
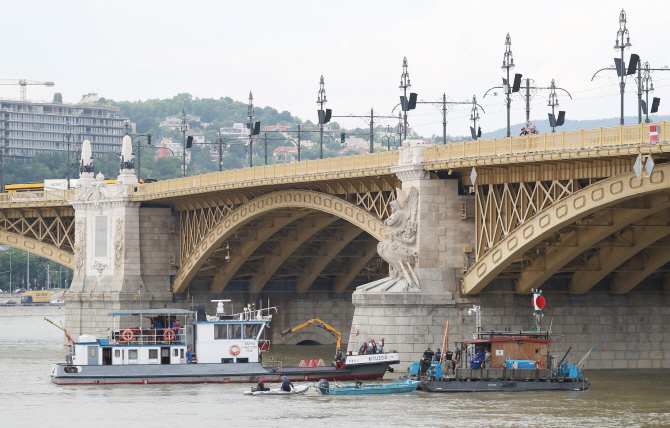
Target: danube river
(28,346)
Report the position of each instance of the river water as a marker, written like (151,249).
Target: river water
(28,346)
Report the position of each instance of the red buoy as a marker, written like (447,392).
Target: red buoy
(540,302)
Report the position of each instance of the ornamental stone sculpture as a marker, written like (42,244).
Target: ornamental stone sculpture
(399,248)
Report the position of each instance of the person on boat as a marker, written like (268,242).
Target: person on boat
(362,349)
(438,355)
(481,354)
(487,359)
(380,346)
(425,361)
(457,357)
(176,326)
(286,385)
(449,360)
(476,363)
(189,355)
(371,347)
(261,386)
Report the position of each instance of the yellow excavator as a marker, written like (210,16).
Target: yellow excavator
(317,322)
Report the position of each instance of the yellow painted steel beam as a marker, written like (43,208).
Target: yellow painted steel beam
(609,258)
(647,261)
(318,264)
(578,205)
(577,241)
(39,248)
(263,205)
(263,232)
(285,249)
(355,266)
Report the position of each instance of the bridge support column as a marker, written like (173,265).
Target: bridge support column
(122,254)
(411,316)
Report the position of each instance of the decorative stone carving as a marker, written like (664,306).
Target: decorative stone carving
(99,267)
(118,245)
(78,246)
(399,248)
(99,190)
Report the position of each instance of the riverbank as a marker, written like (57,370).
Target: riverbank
(18,311)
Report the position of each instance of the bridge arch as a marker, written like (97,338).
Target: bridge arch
(37,248)
(279,200)
(311,334)
(600,195)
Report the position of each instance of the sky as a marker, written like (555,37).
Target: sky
(137,50)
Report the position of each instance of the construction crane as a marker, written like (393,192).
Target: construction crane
(317,322)
(23,83)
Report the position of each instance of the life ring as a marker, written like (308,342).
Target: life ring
(234,350)
(128,335)
(168,335)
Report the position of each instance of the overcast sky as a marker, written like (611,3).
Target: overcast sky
(135,50)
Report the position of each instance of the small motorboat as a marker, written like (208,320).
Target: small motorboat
(359,388)
(300,389)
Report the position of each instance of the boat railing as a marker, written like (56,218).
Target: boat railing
(134,336)
(273,364)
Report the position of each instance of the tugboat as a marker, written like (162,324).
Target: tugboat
(223,348)
(504,361)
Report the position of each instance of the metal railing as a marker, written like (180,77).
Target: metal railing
(269,172)
(147,337)
(560,141)
(41,196)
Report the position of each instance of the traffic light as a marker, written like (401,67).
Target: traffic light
(342,137)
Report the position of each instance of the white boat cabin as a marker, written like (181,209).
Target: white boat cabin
(162,336)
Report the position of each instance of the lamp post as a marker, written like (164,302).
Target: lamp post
(553,101)
(474,117)
(251,113)
(404,86)
(221,142)
(508,64)
(183,129)
(321,101)
(646,86)
(623,36)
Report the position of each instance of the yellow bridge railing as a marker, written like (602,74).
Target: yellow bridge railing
(36,197)
(559,141)
(271,172)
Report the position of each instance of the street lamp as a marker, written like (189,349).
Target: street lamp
(183,129)
(508,64)
(474,117)
(251,113)
(321,101)
(405,85)
(623,36)
(647,86)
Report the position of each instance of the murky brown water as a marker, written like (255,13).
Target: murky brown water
(28,346)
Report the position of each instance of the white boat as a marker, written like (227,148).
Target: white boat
(300,389)
(226,349)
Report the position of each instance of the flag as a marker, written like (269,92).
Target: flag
(653,133)
(357,333)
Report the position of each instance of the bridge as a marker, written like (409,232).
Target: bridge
(564,212)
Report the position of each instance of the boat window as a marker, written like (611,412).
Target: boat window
(221,331)
(242,360)
(181,353)
(235,331)
(153,354)
(165,352)
(92,351)
(251,330)
(117,353)
(226,360)
(132,354)
(175,352)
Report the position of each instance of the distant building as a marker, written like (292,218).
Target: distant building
(358,149)
(163,152)
(237,131)
(172,123)
(30,128)
(285,154)
(198,137)
(175,148)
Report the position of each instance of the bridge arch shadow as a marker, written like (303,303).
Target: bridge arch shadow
(311,336)
(274,201)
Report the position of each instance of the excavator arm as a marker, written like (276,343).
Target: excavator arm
(317,322)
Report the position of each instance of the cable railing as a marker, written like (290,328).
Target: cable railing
(560,141)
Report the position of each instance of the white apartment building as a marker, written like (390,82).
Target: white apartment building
(28,128)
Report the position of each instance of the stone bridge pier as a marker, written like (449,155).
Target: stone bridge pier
(425,238)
